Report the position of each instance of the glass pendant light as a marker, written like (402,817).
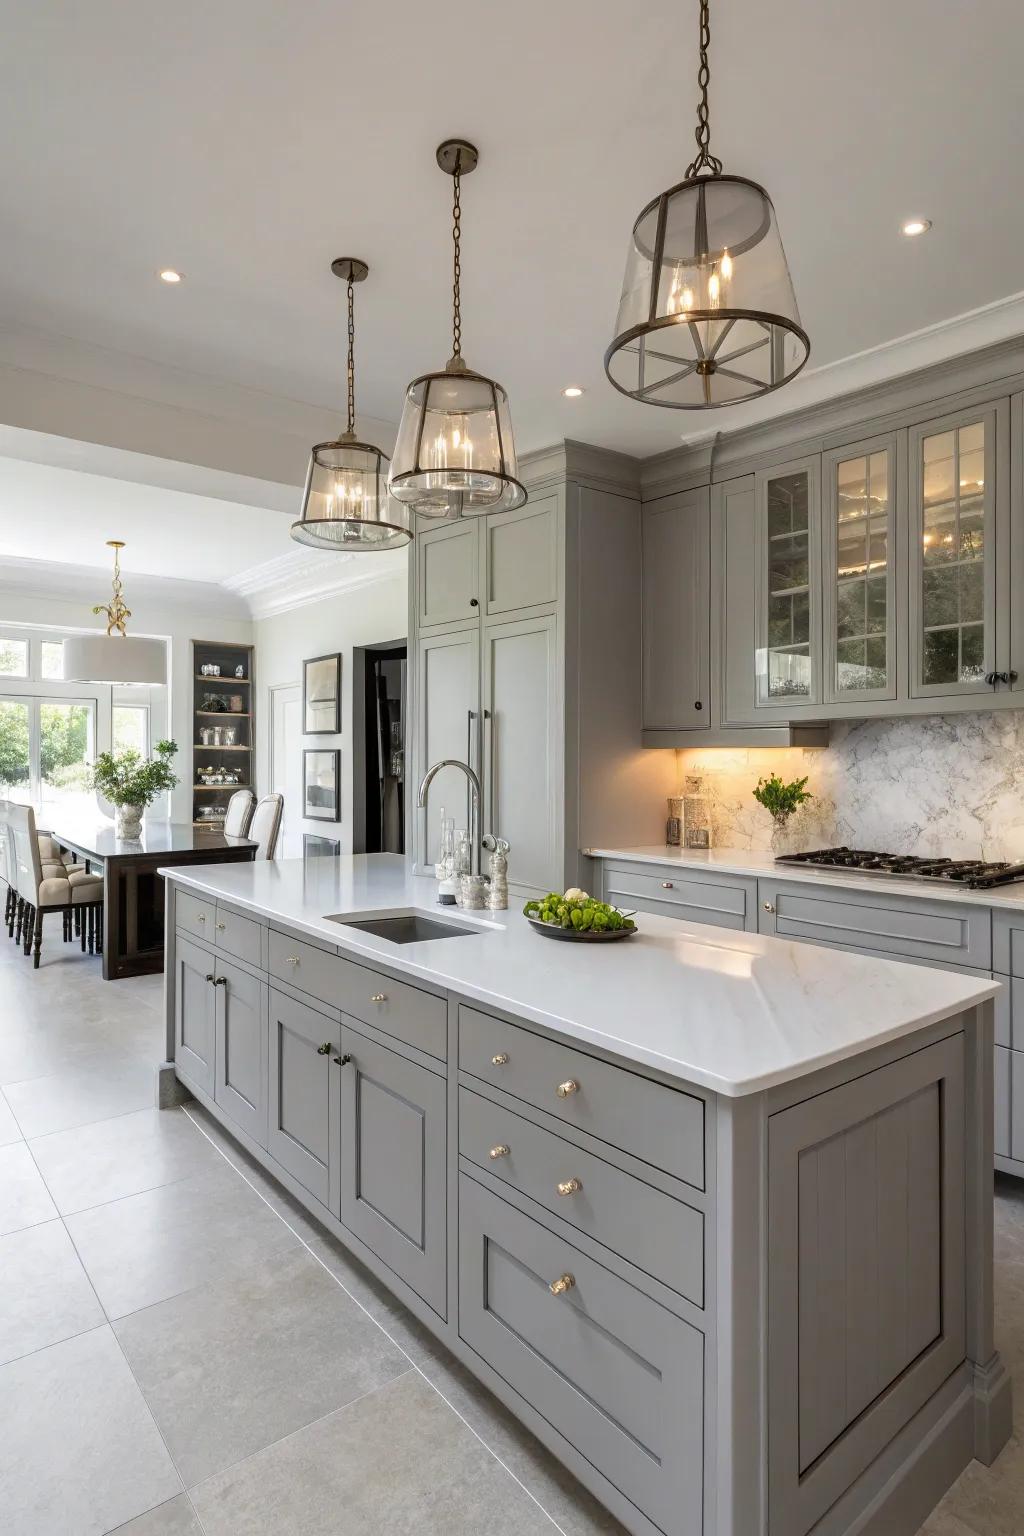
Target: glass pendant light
(455,456)
(707,315)
(346,504)
(115,657)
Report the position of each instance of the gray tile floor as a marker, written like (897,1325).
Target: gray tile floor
(184,1351)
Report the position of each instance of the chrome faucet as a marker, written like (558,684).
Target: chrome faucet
(474,786)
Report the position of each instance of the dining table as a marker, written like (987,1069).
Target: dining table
(133,890)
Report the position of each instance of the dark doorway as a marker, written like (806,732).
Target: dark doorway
(379,704)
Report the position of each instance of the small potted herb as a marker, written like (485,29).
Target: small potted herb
(131,783)
(780,800)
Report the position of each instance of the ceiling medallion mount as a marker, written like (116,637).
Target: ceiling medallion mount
(455,455)
(345,504)
(707,316)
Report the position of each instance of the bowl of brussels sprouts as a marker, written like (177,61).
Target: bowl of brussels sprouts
(579,918)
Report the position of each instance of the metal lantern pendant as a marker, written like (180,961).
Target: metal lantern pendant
(346,504)
(455,456)
(707,315)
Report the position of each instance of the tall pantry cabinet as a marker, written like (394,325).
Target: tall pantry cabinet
(525,643)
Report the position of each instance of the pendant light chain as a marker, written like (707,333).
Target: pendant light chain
(704,160)
(351,355)
(457,266)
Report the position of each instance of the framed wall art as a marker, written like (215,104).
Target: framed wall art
(321,695)
(321,784)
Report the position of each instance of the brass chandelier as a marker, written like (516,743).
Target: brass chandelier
(707,316)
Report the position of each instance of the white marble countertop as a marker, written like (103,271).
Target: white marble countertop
(742,861)
(731,1012)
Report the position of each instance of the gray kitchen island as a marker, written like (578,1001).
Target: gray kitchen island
(710,1211)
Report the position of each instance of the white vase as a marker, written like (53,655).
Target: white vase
(128,821)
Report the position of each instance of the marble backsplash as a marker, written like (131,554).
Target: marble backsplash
(940,784)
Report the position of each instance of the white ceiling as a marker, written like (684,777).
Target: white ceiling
(247,142)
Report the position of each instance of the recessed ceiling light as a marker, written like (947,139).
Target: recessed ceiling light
(915,226)
(573,392)
(168,275)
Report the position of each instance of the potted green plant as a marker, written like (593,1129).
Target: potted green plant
(780,800)
(131,782)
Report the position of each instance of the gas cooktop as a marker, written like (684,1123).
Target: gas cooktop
(976,874)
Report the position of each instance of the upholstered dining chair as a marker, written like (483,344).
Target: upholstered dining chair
(40,893)
(239,813)
(266,824)
(7,868)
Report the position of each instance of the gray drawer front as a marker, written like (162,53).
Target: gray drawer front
(659,1125)
(929,930)
(1003,1091)
(1009,1010)
(194,916)
(1007,942)
(239,936)
(728,903)
(417,1017)
(611,1370)
(660,1235)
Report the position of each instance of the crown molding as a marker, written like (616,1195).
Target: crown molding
(300,577)
(51,580)
(601,469)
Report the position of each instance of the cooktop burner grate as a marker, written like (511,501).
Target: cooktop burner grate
(976,874)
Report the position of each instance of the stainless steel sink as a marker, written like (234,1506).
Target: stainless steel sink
(406,928)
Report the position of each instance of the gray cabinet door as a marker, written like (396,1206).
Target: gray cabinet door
(304,1127)
(787,586)
(447,572)
(866,1252)
(447,726)
(860,557)
(522,557)
(523,709)
(677,612)
(956,638)
(393,1155)
(195,1034)
(242,1064)
(1002,1095)
(613,1372)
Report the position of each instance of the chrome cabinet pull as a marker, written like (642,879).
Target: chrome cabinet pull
(221,927)
(501,1060)
(210,976)
(569,1186)
(220,981)
(379,997)
(666,885)
(324,1050)
(342,1061)
(562,1284)
(569,1086)
(499,1151)
(201,917)
(291,959)
(769,907)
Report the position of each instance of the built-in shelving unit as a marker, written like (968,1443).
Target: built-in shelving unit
(222,735)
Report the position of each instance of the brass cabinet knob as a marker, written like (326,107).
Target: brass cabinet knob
(499,1151)
(221,927)
(501,1060)
(570,1186)
(324,1050)
(569,1086)
(562,1284)
(291,959)
(201,918)
(769,906)
(379,997)
(666,885)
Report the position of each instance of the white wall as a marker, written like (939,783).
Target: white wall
(365,615)
(152,614)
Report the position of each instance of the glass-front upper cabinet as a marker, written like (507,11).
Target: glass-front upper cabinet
(787,589)
(859,563)
(953,554)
